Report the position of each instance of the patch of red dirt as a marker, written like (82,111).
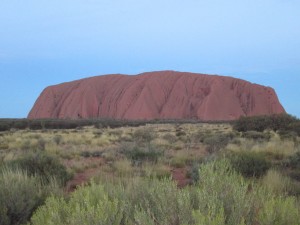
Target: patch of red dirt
(82,178)
(180,176)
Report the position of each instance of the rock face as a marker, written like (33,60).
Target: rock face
(157,95)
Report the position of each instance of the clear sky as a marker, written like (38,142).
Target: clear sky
(46,42)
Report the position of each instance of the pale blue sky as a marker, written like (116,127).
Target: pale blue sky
(46,42)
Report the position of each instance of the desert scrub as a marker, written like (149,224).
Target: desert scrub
(220,197)
(258,136)
(261,123)
(135,201)
(279,210)
(159,171)
(43,165)
(21,194)
(89,205)
(249,163)
(277,183)
(144,135)
(217,142)
(138,154)
(229,201)
(123,167)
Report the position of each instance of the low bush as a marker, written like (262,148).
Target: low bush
(144,135)
(170,138)
(277,183)
(89,205)
(294,127)
(216,142)
(139,155)
(249,164)
(193,173)
(20,195)
(43,165)
(261,123)
(294,161)
(258,136)
(139,202)
(57,139)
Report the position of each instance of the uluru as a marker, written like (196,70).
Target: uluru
(156,95)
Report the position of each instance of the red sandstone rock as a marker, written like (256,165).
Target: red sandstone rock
(157,95)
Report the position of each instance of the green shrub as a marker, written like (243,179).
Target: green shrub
(294,127)
(20,195)
(144,135)
(249,164)
(255,135)
(178,162)
(170,138)
(139,155)
(141,202)
(279,210)
(261,123)
(221,197)
(4,126)
(277,183)
(216,142)
(43,165)
(57,139)
(294,161)
(224,194)
(90,205)
(163,202)
(193,173)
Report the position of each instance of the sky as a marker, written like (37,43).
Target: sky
(46,42)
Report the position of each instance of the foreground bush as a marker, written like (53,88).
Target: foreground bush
(141,202)
(20,195)
(90,205)
(221,197)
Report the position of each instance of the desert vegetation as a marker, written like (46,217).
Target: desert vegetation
(161,172)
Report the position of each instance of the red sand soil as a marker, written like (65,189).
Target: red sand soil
(81,178)
(180,176)
(157,95)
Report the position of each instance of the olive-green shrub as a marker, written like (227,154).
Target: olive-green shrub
(43,165)
(90,205)
(221,197)
(249,163)
(20,195)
